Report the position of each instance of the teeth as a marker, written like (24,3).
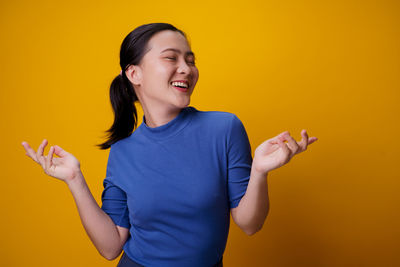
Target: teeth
(180,84)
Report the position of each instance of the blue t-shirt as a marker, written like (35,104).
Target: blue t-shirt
(173,187)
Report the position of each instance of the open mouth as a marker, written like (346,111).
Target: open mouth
(181,86)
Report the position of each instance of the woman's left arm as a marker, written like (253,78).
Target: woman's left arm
(273,153)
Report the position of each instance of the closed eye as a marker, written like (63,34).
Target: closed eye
(189,62)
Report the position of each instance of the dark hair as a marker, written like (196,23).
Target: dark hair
(122,93)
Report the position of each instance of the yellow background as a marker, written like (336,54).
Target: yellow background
(330,67)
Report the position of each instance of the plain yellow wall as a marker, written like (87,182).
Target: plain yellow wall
(330,67)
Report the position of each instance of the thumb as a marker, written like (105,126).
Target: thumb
(283,146)
(59,151)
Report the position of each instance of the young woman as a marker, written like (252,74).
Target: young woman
(172,183)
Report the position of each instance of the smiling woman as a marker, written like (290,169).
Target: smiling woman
(171,183)
(152,57)
(168,59)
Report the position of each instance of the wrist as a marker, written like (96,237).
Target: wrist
(258,174)
(76,180)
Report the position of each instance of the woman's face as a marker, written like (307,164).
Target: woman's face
(168,60)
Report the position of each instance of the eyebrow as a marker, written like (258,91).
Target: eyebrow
(190,53)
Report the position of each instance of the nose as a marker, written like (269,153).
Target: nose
(183,67)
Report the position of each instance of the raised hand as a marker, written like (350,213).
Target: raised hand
(65,167)
(274,153)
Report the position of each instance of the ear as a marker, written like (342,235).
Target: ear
(134,74)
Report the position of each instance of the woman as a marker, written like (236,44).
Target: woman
(172,183)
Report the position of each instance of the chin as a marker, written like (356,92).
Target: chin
(183,103)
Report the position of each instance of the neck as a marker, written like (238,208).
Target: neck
(158,115)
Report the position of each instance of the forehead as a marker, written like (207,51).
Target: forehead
(168,39)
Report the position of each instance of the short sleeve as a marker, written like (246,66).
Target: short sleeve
(239,161)
(114,199)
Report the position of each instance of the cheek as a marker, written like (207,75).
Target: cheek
(196,73)
(163,71)
(158,73)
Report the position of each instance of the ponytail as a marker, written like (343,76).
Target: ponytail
(123,98)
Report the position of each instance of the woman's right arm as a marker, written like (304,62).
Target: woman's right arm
(107,237)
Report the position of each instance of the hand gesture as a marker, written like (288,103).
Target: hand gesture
(274,153)
(65,168)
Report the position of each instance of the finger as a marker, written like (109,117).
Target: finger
(274,140)
(55,161)
(49,158)
(29,151)
(39,153)
(294,147)
(283,145)
(282,135)
(304,140)
(312,140)
(286,151)
(59,151)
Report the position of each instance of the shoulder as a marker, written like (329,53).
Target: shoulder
(127,144)
(221,122)
(120,150)
(215,118)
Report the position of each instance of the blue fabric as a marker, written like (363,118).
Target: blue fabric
(173,186)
